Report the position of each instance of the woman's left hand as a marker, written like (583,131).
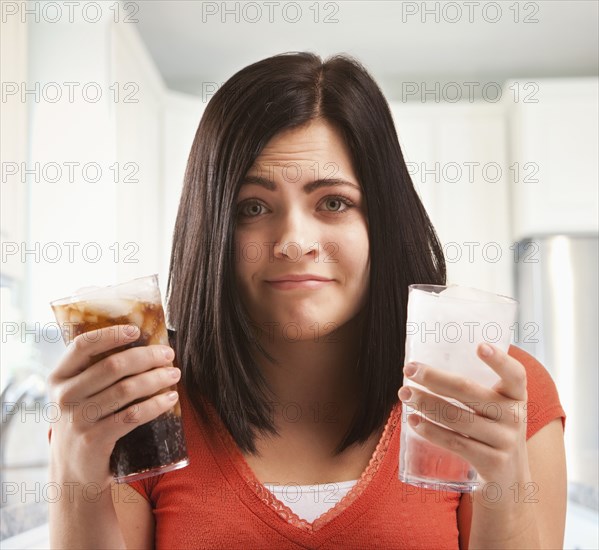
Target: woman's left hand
(496,431)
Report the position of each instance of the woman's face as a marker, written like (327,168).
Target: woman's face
(294,226)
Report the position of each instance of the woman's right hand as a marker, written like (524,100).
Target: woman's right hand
(88,397)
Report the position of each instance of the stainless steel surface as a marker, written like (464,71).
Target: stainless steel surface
(557,287)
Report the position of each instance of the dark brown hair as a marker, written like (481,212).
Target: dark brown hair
(213,332)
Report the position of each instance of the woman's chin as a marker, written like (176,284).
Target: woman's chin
(303,326)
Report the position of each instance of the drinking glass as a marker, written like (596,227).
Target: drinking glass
(445,325)
(157,446)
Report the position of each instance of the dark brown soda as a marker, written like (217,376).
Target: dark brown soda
(153,445)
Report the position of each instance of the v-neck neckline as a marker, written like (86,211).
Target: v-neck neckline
(373,477)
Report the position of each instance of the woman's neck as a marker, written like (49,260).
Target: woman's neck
(313,381)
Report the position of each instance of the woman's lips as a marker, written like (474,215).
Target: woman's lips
(310,284)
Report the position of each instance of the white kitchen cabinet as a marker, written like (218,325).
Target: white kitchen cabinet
(102,222)
(554,132)
(71,208)
(109,216)
(490,174)
(140,140)
(457,158)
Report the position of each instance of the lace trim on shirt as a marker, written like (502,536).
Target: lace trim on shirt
(286,513)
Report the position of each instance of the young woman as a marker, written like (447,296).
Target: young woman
(298,233)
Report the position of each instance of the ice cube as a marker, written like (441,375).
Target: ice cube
(110,307)
(85,289)
(137,318)
(74,316)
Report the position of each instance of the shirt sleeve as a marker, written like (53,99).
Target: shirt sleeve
(543,404)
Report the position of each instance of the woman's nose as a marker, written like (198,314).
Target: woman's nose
(295,237)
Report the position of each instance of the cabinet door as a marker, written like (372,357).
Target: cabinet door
(555,139)
(457,158)
(138,111)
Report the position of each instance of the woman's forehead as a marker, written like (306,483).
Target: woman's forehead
(317,147)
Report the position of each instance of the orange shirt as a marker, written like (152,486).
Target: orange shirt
(217,502)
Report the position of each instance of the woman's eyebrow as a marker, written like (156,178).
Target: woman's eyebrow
(308,187)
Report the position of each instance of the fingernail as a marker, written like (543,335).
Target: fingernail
(131,331)
(405,393)
(168,354)
(486,350)
(410,369)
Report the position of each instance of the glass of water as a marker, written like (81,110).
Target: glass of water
(445,325)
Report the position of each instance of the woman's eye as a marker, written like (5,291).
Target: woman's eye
(343,201)
(244,209)
(252,209)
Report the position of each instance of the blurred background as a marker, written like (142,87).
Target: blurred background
(496,108)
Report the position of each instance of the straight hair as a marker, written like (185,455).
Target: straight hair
(213,334)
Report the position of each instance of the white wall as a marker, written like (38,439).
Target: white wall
(13,145)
